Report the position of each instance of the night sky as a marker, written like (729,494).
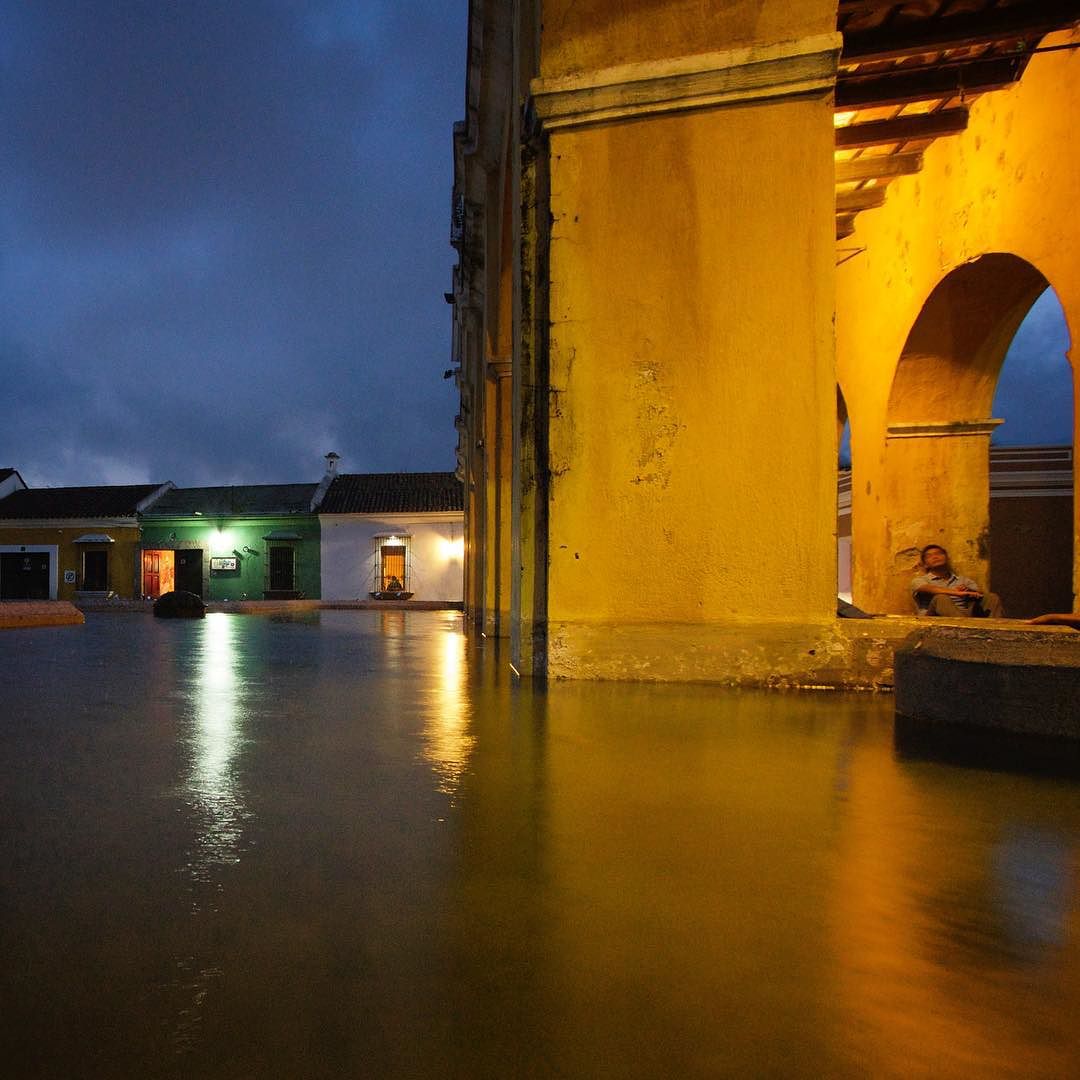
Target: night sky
(225,243)
(225,237)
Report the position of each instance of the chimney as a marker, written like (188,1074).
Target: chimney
(328,478)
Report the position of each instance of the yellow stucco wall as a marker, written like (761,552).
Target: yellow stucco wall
(1009,184)
(580,35)
(692,430)
(122,553)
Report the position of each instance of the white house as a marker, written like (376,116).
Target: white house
(391,535)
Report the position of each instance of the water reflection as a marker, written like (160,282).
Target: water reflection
(355,847)
(211,786)
(448,741)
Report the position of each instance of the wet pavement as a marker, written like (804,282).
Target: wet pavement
(346,844)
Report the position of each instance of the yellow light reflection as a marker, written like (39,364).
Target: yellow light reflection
(842,119)
(448,742)
(211,784)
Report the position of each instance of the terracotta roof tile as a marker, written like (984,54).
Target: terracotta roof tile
(252,500)
(76,502)
(394,493)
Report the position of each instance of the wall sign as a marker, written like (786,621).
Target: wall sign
(69,577)
(224,562)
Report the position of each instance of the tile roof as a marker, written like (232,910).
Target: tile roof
(76,502)
(253,500)
(393,493)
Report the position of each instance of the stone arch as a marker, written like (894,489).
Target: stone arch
(936,483)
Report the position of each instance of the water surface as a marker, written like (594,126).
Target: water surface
(347,845)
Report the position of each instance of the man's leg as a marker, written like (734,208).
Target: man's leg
(989,607)
(943,605)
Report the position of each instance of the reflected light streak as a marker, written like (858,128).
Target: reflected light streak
(448,743)
(211,782)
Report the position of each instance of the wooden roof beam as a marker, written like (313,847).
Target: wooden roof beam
(902,129)
(851,202)
(900,87)
(877,168)
(1017,23)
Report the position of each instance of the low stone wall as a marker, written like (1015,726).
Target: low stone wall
(836,654)
(19,614)
(1000,678)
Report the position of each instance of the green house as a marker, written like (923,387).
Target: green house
(259,542)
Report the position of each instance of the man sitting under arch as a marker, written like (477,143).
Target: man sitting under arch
(941,591)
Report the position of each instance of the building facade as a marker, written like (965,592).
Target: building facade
(73,543)
(255,542)
(392,536)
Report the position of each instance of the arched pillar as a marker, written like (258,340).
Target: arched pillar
(936,491)
(678,391)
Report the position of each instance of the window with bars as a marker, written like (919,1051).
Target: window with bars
(282,568)
(391,565)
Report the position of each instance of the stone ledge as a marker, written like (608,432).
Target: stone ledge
(19,614)
(1024,681)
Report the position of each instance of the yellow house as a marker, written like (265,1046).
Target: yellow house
(72,543)
(686,231)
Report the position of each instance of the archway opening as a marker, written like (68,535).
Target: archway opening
(1031,467)
(843,499)
(936,480)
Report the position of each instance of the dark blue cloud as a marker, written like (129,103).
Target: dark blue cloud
(1034,391)
(225,233)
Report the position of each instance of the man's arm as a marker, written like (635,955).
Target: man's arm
(929,589)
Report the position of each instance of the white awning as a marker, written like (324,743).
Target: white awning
(94,538)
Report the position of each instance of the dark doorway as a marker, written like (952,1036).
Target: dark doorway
(95,570)
(189,571)
(24,575)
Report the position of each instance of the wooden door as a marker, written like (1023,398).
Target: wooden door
(151,574)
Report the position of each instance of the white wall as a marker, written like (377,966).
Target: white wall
(436,556)
(12,483)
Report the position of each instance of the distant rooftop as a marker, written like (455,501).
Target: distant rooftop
(394,493)
(253,500)
(77,502)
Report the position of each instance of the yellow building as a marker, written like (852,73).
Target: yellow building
(72,543)
(676,224)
